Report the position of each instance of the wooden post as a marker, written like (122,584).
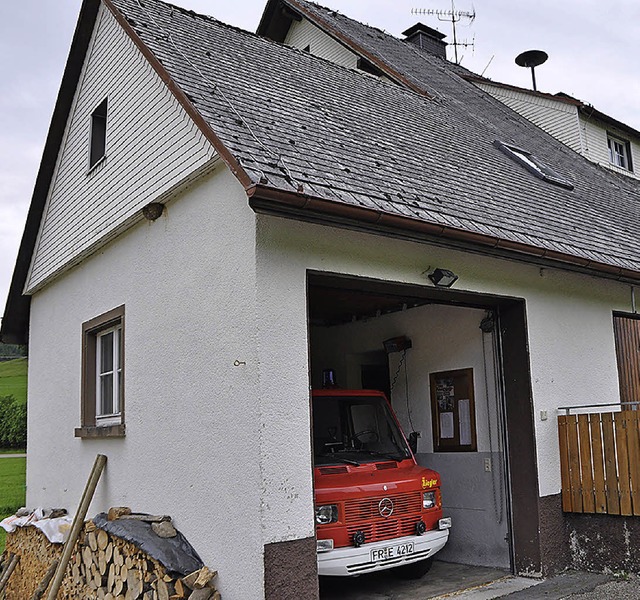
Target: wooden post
(11,565)
(46,580)
(78,521)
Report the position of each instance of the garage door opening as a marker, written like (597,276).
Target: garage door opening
(451,388)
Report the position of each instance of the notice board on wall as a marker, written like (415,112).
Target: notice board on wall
(453,411)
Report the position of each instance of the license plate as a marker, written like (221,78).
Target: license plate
(378,554)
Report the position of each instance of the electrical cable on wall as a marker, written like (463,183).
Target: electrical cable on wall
(403,361)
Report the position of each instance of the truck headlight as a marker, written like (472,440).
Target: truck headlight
(326,514)
(428,499)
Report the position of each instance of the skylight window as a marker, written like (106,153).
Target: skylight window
(534,165)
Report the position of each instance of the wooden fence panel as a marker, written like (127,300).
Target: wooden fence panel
(624,480)
(610,466)
(567,505)
(586,468)
(574,463)
(633,442)
(600,462)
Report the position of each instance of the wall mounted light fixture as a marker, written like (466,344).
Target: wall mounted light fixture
(443,277)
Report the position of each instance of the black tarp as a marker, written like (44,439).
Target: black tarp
(176,553)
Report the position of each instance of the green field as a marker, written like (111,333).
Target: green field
(13,378)
(12,489)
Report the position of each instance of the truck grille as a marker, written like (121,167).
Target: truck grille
(363,515)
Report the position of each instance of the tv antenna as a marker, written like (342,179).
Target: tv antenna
(453,16)
(532,59)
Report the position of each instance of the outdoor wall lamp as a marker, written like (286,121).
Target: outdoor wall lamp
(443,278)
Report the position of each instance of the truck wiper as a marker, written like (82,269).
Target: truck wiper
(383,455)
(346,461)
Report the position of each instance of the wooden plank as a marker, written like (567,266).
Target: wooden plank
(633,442)
(567,505)
(622,453)
(610,470)
(586,474)
(574,463)
(598,463)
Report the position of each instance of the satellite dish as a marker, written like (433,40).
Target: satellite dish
(532,59)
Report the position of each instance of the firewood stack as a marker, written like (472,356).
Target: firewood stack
(102,566)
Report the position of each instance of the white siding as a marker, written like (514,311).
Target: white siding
(152,147)
(303,33)
(557,118)
(597,149)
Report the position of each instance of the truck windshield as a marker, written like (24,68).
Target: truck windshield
(355,429)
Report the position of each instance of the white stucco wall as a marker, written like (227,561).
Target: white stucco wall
(569,315)
(191,448)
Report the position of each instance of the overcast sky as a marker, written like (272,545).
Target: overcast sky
(592,47)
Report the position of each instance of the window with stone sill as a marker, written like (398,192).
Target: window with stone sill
(102,395)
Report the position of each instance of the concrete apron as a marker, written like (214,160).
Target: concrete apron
(461,582)
(443,579)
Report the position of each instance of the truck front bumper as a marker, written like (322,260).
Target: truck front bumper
(356,561)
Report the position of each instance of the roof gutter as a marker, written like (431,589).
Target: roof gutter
(268,200)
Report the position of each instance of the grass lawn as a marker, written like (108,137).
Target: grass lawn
(13,378)
(12,489)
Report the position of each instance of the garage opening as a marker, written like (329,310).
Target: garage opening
(455,367)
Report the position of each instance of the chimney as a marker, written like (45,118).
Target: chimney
(427,38)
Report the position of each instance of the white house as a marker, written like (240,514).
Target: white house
(219,217)
(590,132)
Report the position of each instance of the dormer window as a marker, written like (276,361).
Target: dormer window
(619,152)
(533,164)
(98,142)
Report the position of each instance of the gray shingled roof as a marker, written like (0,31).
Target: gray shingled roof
(296,122)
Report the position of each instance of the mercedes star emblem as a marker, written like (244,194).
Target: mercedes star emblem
(385,507)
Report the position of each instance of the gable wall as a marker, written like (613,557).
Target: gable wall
(303,33)
(152,148)
(559,119)
(569,317)
(192,442)
(597,149)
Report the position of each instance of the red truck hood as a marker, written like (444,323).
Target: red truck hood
(346,482)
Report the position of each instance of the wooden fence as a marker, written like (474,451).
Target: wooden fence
(600,462)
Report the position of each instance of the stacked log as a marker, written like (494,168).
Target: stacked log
(102,567)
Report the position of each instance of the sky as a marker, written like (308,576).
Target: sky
(592,47)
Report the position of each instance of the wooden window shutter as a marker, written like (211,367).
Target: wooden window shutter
(627,337)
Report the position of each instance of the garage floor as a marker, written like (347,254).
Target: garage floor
(443,578)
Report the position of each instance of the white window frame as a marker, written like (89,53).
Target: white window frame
(619,152)
(115,417)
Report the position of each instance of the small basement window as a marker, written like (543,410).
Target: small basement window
(534,165)
(619,152)
(98,141)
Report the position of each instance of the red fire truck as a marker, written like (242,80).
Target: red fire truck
(375,507)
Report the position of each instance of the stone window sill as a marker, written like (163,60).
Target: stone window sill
(108,431)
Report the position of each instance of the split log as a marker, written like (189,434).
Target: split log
(12,564)
(200,578)
(115,512)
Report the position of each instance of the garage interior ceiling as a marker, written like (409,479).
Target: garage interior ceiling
(336,299)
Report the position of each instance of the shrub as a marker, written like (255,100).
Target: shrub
(13,423)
